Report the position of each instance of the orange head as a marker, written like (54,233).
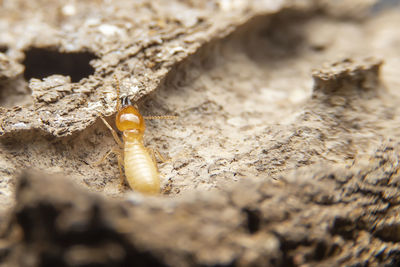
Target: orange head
(130,122)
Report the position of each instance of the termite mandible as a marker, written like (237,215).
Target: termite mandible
(141,170)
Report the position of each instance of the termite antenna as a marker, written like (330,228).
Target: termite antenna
(165,117)
(118,92)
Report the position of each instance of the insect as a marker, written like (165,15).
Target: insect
(141,171)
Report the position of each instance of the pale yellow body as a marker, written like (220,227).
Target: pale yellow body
(140,170)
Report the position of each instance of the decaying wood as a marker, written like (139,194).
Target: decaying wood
(285,151)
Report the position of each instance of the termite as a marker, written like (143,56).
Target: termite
(141,171)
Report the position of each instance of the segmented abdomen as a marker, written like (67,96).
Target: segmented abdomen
(140,170)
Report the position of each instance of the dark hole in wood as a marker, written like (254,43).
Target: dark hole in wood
(43,62)
(253,220)
(3,48)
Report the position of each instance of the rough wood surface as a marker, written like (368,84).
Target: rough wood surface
(285,152)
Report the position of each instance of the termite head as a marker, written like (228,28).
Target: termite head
(129,120)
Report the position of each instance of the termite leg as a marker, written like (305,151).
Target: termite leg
(121,174)
(114,150)
(153,153)
(114,133)
(119,153)
(160,156)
